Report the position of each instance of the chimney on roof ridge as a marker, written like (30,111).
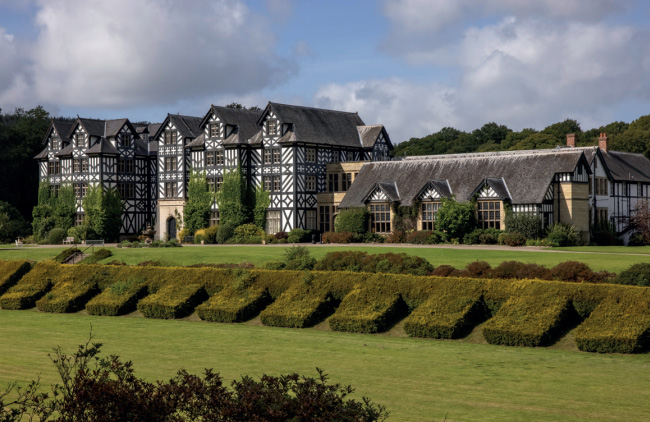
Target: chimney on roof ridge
(603,142)
(571,140)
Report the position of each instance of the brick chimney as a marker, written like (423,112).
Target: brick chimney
(603,142)
(571,140)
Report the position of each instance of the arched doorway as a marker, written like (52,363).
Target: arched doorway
(171,228)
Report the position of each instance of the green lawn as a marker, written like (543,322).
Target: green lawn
(418,380)
(614,259)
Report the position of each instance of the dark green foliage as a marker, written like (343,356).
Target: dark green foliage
(98,255)
(246,234)
(12,223)
(352,220)
(196,212)
(232,199)
(424,237)
(101,389)
(636,275)
(561,234)
(56,236)
(262,202)
(512,239)
(342,237)
(357,261)
(299,236)
(65,254)
(405,218)
(103,209)
(368,310)
(530,226)
(64,207)
(210,234)
(298,258)
(11,272)
(455,218)
(225,232)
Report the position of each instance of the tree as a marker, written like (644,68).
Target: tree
(12,223)
(196,213)
(640,222)
(241,107)
(232,199)
(455,218)
(352,220)
(491,133)
(103,209)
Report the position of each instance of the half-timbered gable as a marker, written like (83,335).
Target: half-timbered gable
(519,178)
(55,140)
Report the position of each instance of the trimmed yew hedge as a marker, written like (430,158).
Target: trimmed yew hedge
(368,310)
(529,321)
(118,299)
(234,305)
(173,301)
(11,272)
(614,318)
(619,324)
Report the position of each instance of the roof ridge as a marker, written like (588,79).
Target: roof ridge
(490,154)
(315,108)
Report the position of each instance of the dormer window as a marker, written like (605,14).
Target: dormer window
(214,130)
(56,142)
(78,140)
(125,140)
(271,127)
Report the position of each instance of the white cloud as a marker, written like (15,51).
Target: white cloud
(127,53)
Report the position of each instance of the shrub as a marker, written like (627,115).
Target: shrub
(527,320)
(342,237)
(396,236)
(78,232)
(446,271)
(472,238)
(99,255)
(579,272)
(512,239)
(352,220)
(299,235)
(357,261)
(424,237)
(210,234)
(455,218)
(370,238)
(68,297)
(234,305)
(368,310)
(477,269)
(56,236)
(636,275)
(225,232)
(11,272)
(173,300)
(281,236)
(490,236)
(528,225)
(561,234)
(274,265)
(199,235)
(31,287)
(519,270)
(342,261)
(298,258)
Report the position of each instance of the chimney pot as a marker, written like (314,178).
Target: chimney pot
(603,142)
(571,140)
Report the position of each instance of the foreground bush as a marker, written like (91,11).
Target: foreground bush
(99,389)
(356,261)
(636,275)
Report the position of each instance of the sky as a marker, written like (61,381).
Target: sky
(415,66)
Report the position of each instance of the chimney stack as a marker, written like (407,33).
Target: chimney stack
(571,140)
(603,142)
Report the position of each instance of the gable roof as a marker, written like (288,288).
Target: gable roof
(316,125)
(440,186)
(187,126)
(41,155)
(245,120)
(368,135)
(527,174)
(102,147)
(496,185)
(62,129)
(620,165)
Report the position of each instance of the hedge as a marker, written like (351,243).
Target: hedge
(118,299)
(368,310)
(31,287)
(174,300)
(11,272)
(529,320)
(300,306)
(67,297)
(234,305)
(619,324)
(450,312)
(97,256)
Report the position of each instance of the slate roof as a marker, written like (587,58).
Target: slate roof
(187,126)
(621,166)
(318,126)
(102,147)
(65,152)
(113,127)
(246,120)
(41,155)
(93,127)
(368,134)
(199,141)
(526,175)
(141,147)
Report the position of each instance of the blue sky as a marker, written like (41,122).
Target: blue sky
(414,65)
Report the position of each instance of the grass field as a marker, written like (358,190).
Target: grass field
(614,259)
(417,379)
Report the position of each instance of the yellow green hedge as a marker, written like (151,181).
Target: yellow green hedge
(619,324)
(119,298)
(11,272)
(451,311)
(368,310)
(300,306)
(234,305)
(67,296)
(173,301)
